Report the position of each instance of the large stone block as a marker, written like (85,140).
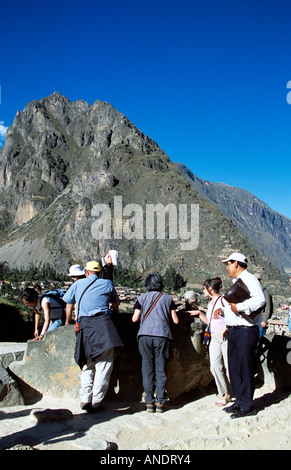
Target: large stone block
(188,366)
(48,367)
(10,394)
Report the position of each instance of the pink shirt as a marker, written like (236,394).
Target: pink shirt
(216,324)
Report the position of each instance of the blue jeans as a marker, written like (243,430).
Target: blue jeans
(55,324)
(155,352)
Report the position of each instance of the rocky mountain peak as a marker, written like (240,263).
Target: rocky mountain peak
(53,138)
(63,159)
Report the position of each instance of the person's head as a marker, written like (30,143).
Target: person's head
(29,297)
(154,282)
(111,258)
(212,286)
(92,267)
(236,263)
(76,272)
(190,299)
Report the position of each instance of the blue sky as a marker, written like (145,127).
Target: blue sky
(207,79)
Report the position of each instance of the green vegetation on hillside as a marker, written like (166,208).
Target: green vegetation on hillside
(33,273)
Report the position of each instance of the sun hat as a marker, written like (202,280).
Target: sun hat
(93,266)
(236,257)
(76,270)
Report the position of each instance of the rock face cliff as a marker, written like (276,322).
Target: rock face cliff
(77,179)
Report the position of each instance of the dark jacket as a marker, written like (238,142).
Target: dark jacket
(106,270)
(96,335)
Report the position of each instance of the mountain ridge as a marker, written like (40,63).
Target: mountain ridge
(269,230)
(61,159)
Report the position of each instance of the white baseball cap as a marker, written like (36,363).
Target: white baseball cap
(76,270)
(236,257)
(114,256)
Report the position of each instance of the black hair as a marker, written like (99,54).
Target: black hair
(240,263)
(29,294)
(215,283)
(154,282)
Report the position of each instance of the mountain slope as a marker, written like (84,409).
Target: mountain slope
(64,161)
(269,231)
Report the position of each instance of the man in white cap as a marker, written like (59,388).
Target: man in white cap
(243,336)
(76,273)
(107,263)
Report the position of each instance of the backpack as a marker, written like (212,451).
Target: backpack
(56,294)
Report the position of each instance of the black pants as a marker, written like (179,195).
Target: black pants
(242,343)
(155,352)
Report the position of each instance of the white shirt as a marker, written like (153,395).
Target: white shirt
(250,305)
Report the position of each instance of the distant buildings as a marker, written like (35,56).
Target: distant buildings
(279,326)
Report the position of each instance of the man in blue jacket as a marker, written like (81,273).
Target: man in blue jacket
(97,336)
